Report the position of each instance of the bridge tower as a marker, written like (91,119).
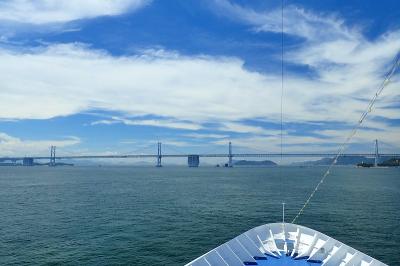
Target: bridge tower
(376,153)
(230,163)
(159,155)
(52,156)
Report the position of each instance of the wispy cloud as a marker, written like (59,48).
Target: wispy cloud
(348,66)
(59,11)
(243,127)
(240,128)
(205,136)
(10,145)
(168,123)
(297,21)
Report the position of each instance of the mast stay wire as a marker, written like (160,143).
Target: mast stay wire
(357,126)
(281,122)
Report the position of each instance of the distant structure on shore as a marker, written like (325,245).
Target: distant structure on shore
(193,160)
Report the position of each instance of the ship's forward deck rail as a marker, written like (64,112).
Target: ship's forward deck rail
(284,244)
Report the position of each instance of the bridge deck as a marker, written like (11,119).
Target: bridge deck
(236,155)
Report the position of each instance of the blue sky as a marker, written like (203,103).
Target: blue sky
(117,76)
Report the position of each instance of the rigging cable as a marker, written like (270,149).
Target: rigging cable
(345,144)
(281,122)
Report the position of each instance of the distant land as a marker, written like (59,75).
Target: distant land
(394,162)
(344,160)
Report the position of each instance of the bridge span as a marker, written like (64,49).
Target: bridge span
(193,159)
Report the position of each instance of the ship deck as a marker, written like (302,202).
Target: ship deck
(284,244)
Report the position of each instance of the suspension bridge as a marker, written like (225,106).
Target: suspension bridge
(193,159)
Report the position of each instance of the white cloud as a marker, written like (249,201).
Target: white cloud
(322,140)
(65,79)
(388,137)
(60,11)
(205,136)
(240,128)
(105,122)
(70,78)
(167,123)
(344,60)
(297,21)
(10,146)
(348,66)
(170,145)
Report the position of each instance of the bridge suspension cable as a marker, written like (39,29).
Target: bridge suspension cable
(173,148)
(345,144)
(139,150)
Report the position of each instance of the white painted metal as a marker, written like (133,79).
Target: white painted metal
(280,239)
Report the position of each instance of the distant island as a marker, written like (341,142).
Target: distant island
(394,162)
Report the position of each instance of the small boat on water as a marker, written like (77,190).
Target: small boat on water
(284,244)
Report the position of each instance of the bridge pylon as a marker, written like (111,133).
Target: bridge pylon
(230,161)
(52,156)
(376,154)
(159,155)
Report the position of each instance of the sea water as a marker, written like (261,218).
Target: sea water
(171,215)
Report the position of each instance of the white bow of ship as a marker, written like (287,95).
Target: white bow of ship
(284,244)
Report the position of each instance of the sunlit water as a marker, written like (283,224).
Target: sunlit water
(171,215)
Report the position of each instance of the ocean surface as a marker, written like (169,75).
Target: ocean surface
(171,215)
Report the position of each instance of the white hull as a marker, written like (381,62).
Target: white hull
(284,244)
